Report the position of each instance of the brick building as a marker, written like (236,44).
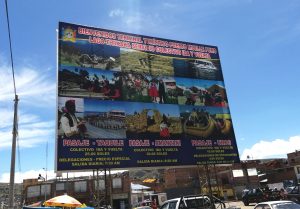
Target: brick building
(91,190)
(225,180)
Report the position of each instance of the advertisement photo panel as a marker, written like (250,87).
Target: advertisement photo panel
(127,100)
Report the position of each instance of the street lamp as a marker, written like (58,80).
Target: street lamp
(45,169)
(44,179)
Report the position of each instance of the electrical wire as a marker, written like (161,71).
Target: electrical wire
(11,54)
(15,128)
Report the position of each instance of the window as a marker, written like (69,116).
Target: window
(295,190)
(259,207)
(165,206)
(33,191)
(172,205)
(117,183)
(225,181)
(101,184)
(60,186)
(80,186)
(45,189)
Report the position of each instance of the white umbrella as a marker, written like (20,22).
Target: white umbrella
(139,187)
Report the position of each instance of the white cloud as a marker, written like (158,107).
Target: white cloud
(169,5)
(136,20)
(116,13)
(30,134)
(33,86)
(268,149)
(36,90)
(33,174)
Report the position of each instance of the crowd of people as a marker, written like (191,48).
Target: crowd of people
(107,123)
(207,98)
(110,89)
(139,85)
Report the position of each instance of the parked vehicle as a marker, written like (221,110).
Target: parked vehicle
(294,194)
(259,195)
(193,202)
(283,204)
(289,189)
(142,207)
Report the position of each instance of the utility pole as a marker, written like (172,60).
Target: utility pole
(15,123)
(44,184)
(13,156)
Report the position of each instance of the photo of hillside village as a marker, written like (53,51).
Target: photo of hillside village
(141,62)
(84,54)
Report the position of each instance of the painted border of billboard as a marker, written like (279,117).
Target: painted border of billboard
(126,100)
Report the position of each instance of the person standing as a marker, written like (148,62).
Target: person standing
(153,93)
(154,204)
(161,92)
(69,124)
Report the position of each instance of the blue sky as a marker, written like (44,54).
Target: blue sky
(92,105)
(257,40)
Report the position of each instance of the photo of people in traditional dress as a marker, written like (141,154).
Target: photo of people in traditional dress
(198,68)
(89,82)
(142,62)
(139,87)
(81,53)
(135,87)
(166,90)
(206,121)
(147,120)
(104,119)
(201,92)
(71,123)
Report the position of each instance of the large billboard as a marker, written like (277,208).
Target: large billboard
(128,100)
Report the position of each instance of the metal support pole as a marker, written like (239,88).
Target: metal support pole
(98,192)
(45,189)
(209,187)
(199,178)
(216,176)
(13,156)
(110,189)
(67,183)
(105,179)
